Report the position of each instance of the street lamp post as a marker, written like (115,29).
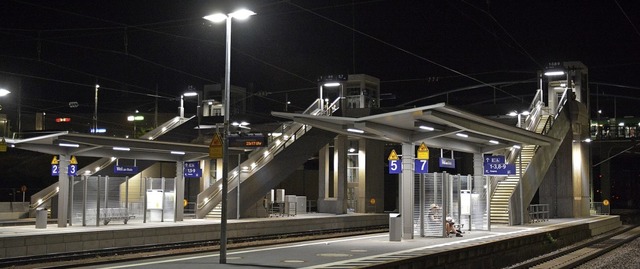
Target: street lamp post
(95,111)
(220,17)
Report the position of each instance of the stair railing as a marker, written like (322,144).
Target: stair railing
(290,133)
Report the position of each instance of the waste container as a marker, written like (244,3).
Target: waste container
(395,227)
(41,218)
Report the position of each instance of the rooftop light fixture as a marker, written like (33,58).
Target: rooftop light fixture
(178,152)
(121,149)
(462,135)
(4,92)
(69,145)
(332,84)
(516,146)
(354,130)
(495,142)
(427,128)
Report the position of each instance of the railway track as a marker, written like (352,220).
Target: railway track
(583,252)
(103,256)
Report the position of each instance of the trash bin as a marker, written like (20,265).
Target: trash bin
(41,218)
(395,227)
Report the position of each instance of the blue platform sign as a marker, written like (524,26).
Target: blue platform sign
(55,170)
(421,166)
(72,170)
(502,169)
(125,169)
(494,159)
(447,163)
(192,169)
(395,166)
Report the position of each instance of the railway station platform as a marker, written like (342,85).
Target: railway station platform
(501,246)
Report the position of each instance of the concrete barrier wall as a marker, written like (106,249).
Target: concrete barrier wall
(78,240)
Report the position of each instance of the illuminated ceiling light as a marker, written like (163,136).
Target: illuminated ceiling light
(621,124)
(113,159)
(69,145)
(352,150)
(151,138)
(206,199)
(588,140)
(427,128)
(525,113)
(218,17)
(164,129)
(331,84)
(512,114)
(178,152)
(245,168)
(516,146)
(253,165)
(266,153)
(121,149)
(97,168)
(462,135)
(235,173)
(553,72)
(87,172)
(354,130)
(495,142)
(57,189)
(39,201)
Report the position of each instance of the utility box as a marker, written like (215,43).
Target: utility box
(395,227)
(41,218)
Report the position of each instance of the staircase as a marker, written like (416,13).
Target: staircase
(504,189)
(270,165)
(216,213)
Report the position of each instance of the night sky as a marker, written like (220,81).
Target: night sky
(58,50)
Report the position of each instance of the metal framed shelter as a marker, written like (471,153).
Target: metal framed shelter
(437,125)
(65,145)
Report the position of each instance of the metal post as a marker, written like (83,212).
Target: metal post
(164,193)
(95,111)
(238,188)
(98,202)
(225,145)
(126,196)
(84,200)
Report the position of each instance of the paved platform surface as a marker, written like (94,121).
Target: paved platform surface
(348,252)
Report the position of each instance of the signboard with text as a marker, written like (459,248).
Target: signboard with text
(499,169)
(125,169)
(192,169)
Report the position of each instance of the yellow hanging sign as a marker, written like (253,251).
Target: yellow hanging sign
(393,156)
(3,145)
(73,160)
(215,147)
(55,160)
(423,152)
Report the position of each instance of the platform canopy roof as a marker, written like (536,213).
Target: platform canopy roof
(439,125)
(102,146)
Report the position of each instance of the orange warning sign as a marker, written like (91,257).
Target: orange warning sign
(215,147)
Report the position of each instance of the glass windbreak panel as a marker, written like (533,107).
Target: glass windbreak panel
(78,200)
(352,199)
(428,205)
(133,191)
(479,205)
(87,196)
(433,204)
(160,194)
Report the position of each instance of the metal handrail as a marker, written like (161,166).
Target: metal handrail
(254,163)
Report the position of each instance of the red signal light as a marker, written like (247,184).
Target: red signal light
(63,119)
